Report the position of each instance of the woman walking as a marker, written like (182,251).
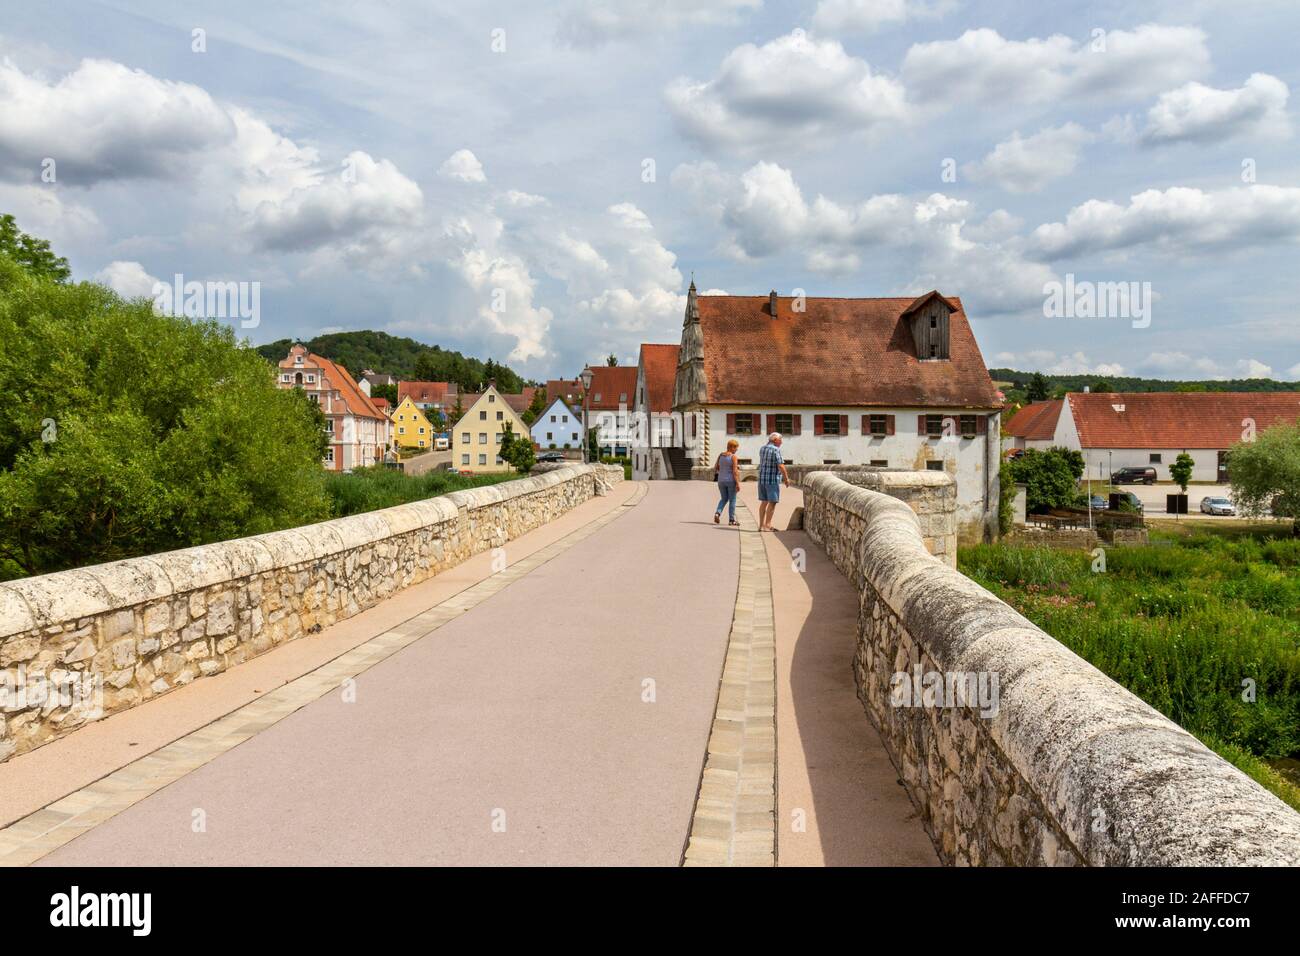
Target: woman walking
(727,473)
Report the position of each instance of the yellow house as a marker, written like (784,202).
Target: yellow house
(410,428)
(476,439)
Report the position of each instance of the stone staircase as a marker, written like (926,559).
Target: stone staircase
(679,463)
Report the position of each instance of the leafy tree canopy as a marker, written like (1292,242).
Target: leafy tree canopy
(125,433)
(401,357)
(1050,477)
(1265,473)
(1016,383)
(517,450)
(34,255)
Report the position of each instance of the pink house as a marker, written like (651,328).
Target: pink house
(360,432)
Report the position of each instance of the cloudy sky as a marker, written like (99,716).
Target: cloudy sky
(536,182)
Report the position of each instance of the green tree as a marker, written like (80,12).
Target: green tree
(1103,385)
(34,255)
(535,407)
(1050,477)
(611,360)
(1038,388)
(125,433)
(1265,474)
(1181,470)
(388,391)
(517,450)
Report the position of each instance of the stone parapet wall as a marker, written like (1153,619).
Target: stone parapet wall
(131,630)
(932,495)
(1065,767)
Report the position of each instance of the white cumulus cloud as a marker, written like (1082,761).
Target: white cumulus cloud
(127,279)
(796,91)
(1022,165)
(1202,114)
(462,166)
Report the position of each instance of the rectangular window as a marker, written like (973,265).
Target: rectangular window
(464,459)
(934,426)
(879,463)
(500,460)
(464,438)
(830,461)
(830,426)
(499,437)
(879,426)
(329,454)
(482,459)
(482,438)
(595,399)
(1155,460)
(552,418)
(749,461)
(501,416)
(783,423)
(492,398)
(934,466)
(968,426)
(401,429)
(550,437)
(744,425)
(482,415)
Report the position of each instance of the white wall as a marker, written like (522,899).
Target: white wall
(1102,461)
(965,459)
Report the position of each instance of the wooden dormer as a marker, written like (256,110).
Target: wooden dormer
(928,316)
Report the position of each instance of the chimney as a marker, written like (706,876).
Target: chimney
(771,303)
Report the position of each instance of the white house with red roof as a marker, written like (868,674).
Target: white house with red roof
(888,382)
(1117,430)
(655,431)
(608,406)
(359,432)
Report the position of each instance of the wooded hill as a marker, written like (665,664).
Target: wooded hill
(401,357)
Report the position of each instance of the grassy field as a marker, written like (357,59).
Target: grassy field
(1182,623)
(368,489)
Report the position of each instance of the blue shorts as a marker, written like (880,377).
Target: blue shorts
(769,491)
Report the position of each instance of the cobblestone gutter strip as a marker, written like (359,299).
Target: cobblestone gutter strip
(40,833)
(735,812)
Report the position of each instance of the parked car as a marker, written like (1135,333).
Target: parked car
(549,456)
(1135,475)
(1217,506)
(1099,503)
(1129,500)
(441,444)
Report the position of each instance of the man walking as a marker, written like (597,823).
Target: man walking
(771,472)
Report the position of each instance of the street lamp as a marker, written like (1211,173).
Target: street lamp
(586,391)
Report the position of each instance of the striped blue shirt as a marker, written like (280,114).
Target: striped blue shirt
(769,463)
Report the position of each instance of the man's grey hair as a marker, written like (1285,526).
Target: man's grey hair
(774,436)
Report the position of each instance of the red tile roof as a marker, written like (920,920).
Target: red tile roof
(519,403)
(1176,419)
(569,389)
(355,401)
(660,363)
(437,393)
(380,403)
(1036,422)
(609,382)
(836,352)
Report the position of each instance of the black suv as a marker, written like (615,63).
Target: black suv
(1134,476)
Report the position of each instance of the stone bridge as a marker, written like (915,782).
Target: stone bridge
(574,669)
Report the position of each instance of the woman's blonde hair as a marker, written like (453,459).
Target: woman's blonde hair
(732,444)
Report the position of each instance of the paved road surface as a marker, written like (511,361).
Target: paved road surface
(527,709)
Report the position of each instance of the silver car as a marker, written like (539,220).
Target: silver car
(1217,506)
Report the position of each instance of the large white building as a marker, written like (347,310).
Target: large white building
(359,432)
(1115,430)
(894,383)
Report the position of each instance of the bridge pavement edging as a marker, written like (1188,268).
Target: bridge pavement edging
(137,628)
(1069,768)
